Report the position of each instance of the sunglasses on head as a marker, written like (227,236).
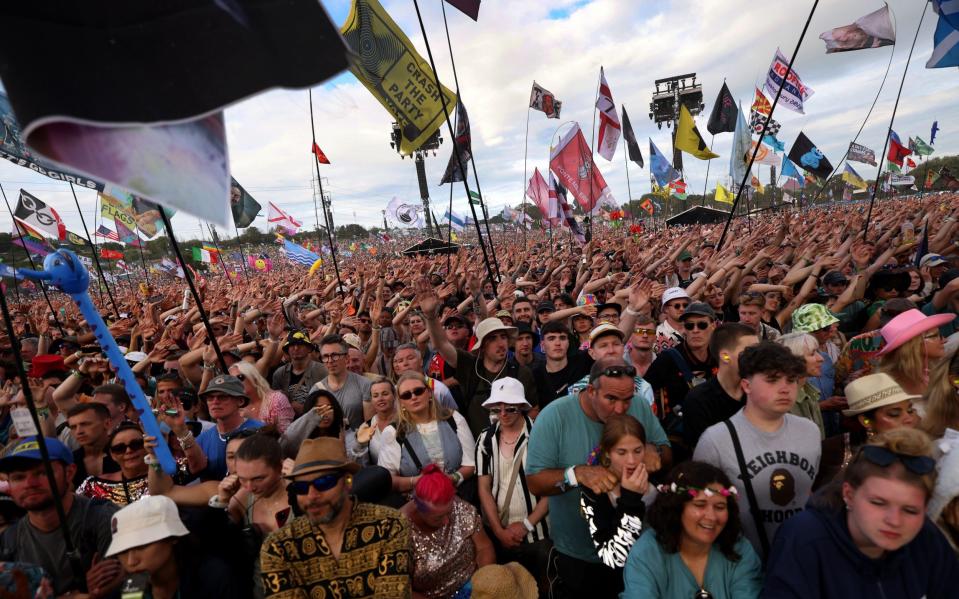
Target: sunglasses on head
(615,371)
(702,326)
(322,483)
(415,392)
(505,410)
(880,456)
(121,448)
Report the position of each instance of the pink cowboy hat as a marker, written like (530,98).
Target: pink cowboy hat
(907,325)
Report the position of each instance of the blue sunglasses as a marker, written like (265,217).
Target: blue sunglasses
(323,483)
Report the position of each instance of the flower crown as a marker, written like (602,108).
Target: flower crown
(694,491)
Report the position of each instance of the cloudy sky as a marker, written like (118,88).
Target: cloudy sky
(562,44)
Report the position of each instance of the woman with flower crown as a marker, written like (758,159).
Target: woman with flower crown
(693,545)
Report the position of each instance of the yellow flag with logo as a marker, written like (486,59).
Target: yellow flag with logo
(723,195)
(388,65)
(688,138)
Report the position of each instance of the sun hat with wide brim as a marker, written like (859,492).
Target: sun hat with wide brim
(509,581)
(324,454)
(909,324)
(145,521)
(489,326)
(874,391)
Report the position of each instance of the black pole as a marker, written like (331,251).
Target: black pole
(892,120)
(216,245)
(752,159)
(706,181)
(326,217)
(239,244)
(459,161)
(96,258)
(43,287)
(193,291)
(16,285)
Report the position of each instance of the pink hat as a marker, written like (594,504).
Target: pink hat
(907,325)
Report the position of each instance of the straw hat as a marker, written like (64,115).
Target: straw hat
(909,324)
(510,581)
(873,391)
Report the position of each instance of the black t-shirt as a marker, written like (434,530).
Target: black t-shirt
(669,382)
(109,466)
(553,385)
(706,405)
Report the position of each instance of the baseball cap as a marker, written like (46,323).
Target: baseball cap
(29,449)
(603,330)
(44,364)
(684,255)
(698,309)
(227,385)
(674,293)
(545,306)
(834,277)
(931,260)
(455,316)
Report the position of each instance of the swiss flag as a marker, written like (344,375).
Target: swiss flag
(319,154)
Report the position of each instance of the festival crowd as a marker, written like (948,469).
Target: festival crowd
(644,416)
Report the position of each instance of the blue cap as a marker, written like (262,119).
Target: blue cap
(29,449)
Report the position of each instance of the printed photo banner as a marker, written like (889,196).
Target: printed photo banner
(860,153)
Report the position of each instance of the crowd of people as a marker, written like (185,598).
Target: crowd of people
(644,416)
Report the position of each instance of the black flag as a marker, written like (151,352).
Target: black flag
(462,141)
(631,146)
(807,156)
(723,117)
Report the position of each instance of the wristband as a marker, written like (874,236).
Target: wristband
(457,479)
(570,477)
(529,525)
(630,311)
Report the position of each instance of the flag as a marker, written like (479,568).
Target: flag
(871,31)
(756,121)
(470,8)
(897,152)
(202,255)
(110,254)
(568,220)
(404,214)
(278,218)
(945,51)
(34,212)
(632,147)
(775,144)
(572,162)
(242,205)
(660,167)
(543,100)
(298,253)
(764,154)
(757,184)
(106,233)
(930,179)
(805,153)
(722,119)
(462,142)
(761,104)
(849,175)
(723,196)
(933,131)
(794,92)
(554,213)
(901,180)
(923,248)
(75,240)
(127,235)
(454,220)
(320,156)
(860,153)
(892,166)
(688,139)
(391,69)
(910,163)
(538,192)
(947,180)
(609,127)
(922,148)
(475,199)
(678,189)
(647,205)
(147,216)
(738,154)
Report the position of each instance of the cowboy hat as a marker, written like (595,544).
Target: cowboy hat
(909,324)
(323,454)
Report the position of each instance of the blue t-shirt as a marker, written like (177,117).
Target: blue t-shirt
(564,436)
(213,445)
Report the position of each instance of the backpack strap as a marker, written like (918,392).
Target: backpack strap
(681,363)
(750,493)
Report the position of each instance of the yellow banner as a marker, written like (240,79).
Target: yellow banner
(723,195)
(388,65)
(112,208)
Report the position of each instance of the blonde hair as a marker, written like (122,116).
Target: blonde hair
(942,397)
(253,375)
(404,423)
(906,363)
(901,441)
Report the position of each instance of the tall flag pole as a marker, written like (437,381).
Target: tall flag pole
(319,181)
(892,121)
(752,158)
(592,154)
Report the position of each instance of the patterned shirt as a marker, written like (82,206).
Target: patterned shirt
(296,561)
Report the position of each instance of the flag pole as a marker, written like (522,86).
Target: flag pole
(592,155)
(239,244)
(525,172)
(220,257)
(43,287)
(326,217)
(459,161)
(96,258)
(706,181)
(752,158)
(892,120)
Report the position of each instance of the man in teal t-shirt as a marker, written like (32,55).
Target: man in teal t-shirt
(561,440)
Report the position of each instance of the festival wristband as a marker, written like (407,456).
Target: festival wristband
(570,477)
(529,525)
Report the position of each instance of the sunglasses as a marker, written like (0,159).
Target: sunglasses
(645,332)
(416,392)
(702,326)
(121,448)
(323,483)
(506,410)
(615,371)
(880,456)
(332,357)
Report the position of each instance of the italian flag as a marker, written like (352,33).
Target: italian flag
(204,255)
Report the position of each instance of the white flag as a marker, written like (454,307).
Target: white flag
(278,218)
(35,213)
(794,92)
(609,127)
(404,214)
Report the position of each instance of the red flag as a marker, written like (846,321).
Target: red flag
(897,151)
(572,162)
(110,254)
(320,155)
(910,163)
(538,192)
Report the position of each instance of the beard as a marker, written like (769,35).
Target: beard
(335,508)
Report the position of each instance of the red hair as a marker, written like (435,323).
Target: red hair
(434,486)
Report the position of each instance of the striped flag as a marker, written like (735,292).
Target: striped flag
(106,233)
(455,220)
(569,220)
(202,255)
(298,253)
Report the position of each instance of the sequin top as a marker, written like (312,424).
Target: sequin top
(445,559)
(122,492)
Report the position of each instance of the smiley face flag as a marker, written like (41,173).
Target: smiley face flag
(807,156)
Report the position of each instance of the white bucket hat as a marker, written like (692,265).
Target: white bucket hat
(509,391)
(146,520)
(489,326)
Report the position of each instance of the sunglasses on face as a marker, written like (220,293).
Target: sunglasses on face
(615,371)
(505,410)
(880,456)
(702,326)
(323,483)
(416,392)
(645,332)
(679,306)
(331,357)
(121,448)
